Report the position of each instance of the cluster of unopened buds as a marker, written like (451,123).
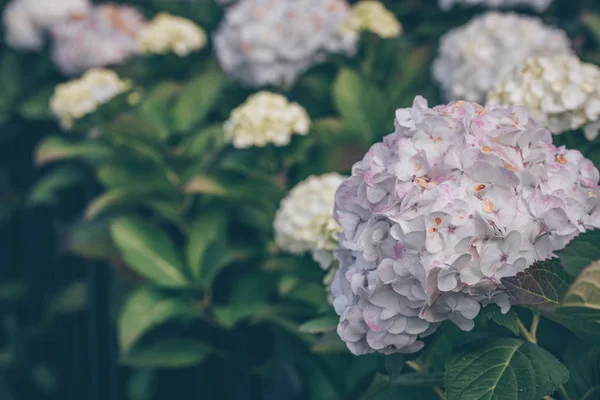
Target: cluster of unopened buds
(457,198)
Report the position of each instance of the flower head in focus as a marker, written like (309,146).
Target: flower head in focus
(457,198)
(106,36)
(372,16)
(304,221)
(561,92)
(265,118)
(473,58)
(272,42)
(26,21)
(537,5)
(79,97)
(167,33)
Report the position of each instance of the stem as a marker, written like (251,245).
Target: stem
(418,368)
(563,392)
(534,325)
(525,333)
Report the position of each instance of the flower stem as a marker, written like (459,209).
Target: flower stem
(419,368)
(529,335)
(563,392)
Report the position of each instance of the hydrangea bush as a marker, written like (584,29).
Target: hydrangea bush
(305,199)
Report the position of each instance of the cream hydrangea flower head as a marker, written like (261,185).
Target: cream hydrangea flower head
(167,33)
(561,93)
(272,42)
(537,5)
(372,16)
(79,97)
(26,21)
(265,118)
(106,36)
(457,198)
(473,58)
(304,221)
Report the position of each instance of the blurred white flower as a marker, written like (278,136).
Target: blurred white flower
(537,5)
(106,36)
(473,58)
(304,221)
(167,33)
(272,42)
(79,97)
(27,21)
(266,118)
(561,93)
(457,198)
(372,16)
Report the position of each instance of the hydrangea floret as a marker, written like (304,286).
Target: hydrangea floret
(167,33)
(106,36)
(537,5)
(272,42)
(562,93)
(457,198)
(265,118)
(304,221)
(473,58)
(79,97)
(27,21)
(372,16)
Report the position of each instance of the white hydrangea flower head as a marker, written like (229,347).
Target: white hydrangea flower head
(304,221)
(265,118)
(458,197)
(272,42)
(167,33)
(27,21)
(473,58)
(537,5)
(561,92)
(75,99)
(106,36)
(372,16)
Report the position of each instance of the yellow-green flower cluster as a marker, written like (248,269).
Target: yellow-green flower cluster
(79,97)
(372,16)
(167,33)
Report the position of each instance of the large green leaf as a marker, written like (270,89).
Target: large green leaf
(156,106)
(326,323)
(361,105)
(91,239)
(197,100)
(149,251)
(504,369)
(55,148)
(48,188)
(541,287)
(205,229)
(146,308)
(583,363)
(168,353)
(134,175)
(581,252)
(583,298)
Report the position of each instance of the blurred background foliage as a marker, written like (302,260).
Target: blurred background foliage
(137,259)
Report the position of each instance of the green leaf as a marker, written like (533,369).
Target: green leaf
(146,308)
(541,287)
(47,189)
(382,389)
(583,298)
(55,148)
(197,100)
(168,353)
(581,252)
(36,107)
(504,369)
(203,142)
(361,105)
(583,363)
(248,296)
(206,228)
(592,21)
(156,106)
(138,176)
(107,200)
(149,251)
(326,323)
(91,239)
(330,342)
(422,379)
(510,320)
